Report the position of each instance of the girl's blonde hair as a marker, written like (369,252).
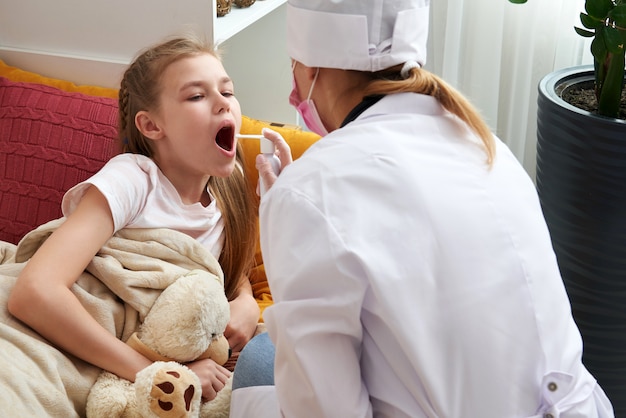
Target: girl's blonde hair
(389,81)
(140,89)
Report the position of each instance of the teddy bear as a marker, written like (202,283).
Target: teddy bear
(185,323)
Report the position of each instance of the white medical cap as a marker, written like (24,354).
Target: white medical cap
(366,35)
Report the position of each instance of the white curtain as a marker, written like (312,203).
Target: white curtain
(496,53)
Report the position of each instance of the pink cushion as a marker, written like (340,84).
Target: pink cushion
(49,141)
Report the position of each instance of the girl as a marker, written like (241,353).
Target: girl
(180,169)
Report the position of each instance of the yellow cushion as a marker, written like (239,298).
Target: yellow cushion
(297,139)
(16,74)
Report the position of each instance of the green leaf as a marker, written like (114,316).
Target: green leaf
(598,49)
(584,33)
(598,9)
(613,40)
(518,1)
(589,22)
(618,15)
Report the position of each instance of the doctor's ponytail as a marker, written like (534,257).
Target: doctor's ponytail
(418,80)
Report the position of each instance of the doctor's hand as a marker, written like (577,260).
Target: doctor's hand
(283,152)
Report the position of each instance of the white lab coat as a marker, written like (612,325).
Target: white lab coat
(410,280)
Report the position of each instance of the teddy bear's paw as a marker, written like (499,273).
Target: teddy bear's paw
(168,389)
(109,397)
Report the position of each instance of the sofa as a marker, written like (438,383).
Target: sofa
(54,134)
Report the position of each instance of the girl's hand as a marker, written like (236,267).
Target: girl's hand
(244,317)
(282,151)
(212,377)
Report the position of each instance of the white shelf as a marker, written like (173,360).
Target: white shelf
(240,18)
(93,43)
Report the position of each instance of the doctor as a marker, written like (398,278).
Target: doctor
(410,264)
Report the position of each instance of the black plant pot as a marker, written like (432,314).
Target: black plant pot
(581,181)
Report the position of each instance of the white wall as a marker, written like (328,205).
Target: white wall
(109,30)
(257,61)
(91,42)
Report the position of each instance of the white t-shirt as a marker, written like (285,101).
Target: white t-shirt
(140,196)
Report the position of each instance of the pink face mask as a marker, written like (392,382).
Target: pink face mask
(307,108)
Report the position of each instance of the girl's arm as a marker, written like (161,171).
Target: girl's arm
(43,300)
(244,317)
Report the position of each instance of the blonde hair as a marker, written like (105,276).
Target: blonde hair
(421,81)
(140,89)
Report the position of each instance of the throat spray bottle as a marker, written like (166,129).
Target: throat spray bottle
(267,149)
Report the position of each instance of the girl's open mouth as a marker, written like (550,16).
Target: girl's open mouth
(225,137)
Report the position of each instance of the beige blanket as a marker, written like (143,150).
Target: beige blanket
(118,288)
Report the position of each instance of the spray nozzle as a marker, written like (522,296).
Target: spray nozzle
(267,146)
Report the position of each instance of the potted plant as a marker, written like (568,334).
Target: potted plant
(606,23)
(581,181)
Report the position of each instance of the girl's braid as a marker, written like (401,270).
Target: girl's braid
(123,115)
